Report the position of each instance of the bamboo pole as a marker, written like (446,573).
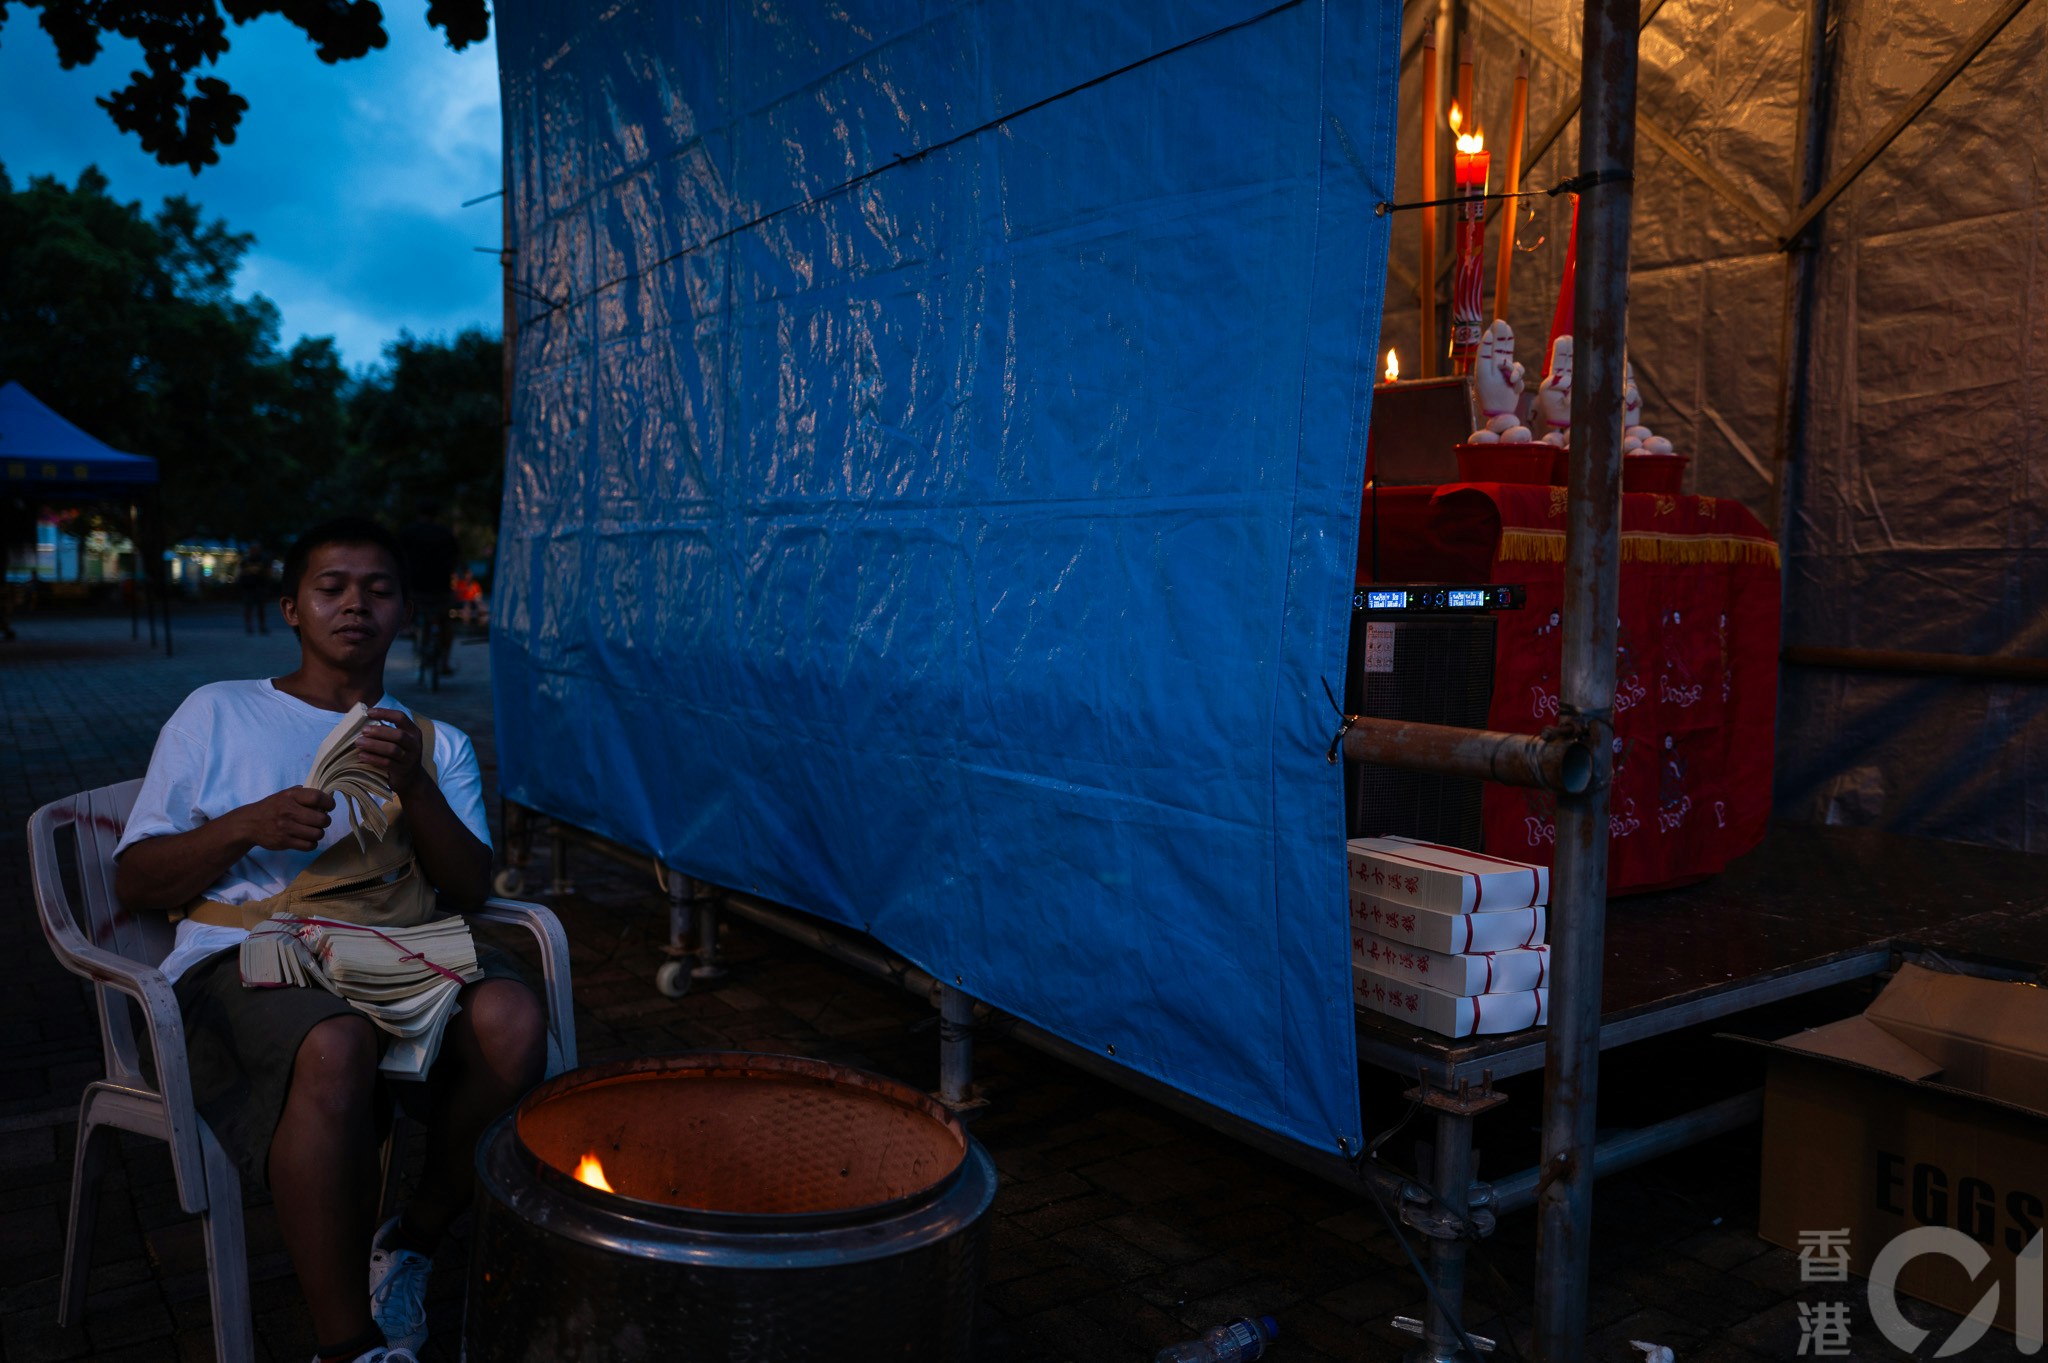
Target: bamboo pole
(1426,294)
(1518,127)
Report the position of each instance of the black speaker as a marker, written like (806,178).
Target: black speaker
(1425,667)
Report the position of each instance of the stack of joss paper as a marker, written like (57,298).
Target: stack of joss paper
(1448,939)
(356,786)
(404,980)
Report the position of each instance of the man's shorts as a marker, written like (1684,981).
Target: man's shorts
(241,1044)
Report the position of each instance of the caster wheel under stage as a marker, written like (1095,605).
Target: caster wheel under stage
(674,979)
(509,882)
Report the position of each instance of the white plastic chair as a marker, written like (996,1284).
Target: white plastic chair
(119,952)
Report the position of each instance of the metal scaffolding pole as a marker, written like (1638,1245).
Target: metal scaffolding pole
(160,572)
(956,1048)
(1564,1200)
(1816,83)
(1558,760)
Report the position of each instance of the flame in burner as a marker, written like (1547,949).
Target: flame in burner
(588,1170)
(1393,365)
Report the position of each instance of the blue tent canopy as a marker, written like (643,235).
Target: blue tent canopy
(40,449)
(932,492)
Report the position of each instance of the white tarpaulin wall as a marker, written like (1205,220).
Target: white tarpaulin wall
(1913,511)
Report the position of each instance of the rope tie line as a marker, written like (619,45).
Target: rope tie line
(395,945)
(1344,723)
(1577,184)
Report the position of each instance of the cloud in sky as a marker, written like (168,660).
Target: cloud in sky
(350,175)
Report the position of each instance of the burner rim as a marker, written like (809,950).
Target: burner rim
(731,1064)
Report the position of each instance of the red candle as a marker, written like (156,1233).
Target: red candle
(1469,174)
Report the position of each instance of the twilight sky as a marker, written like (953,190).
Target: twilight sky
(350,175)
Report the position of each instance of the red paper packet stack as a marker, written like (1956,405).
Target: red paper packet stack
(1448,940)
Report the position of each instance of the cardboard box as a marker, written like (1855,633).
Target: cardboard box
(1461,973)
(1425,875)
(1496,930)
(1930,1108)
(1449,1014)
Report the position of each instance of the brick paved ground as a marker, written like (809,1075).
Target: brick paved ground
(1119,1226)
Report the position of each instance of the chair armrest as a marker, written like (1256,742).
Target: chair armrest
(143,983)
(554,956)
(148,987)
(107,969)
(153,994)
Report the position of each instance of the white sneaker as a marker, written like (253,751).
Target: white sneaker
(398,1297)
(383,1354)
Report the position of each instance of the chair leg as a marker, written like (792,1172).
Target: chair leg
(390,1165)
(227,1256)
(87,1164)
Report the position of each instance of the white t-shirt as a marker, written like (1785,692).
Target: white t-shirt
(236,742)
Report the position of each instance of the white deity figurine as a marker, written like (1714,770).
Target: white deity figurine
(1631,398)
(1499,377)
(1554,397)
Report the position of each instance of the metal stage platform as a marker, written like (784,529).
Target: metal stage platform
(1811,908)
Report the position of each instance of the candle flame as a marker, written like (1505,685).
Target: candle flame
(588,1170)
(1468,143)
(1393,365)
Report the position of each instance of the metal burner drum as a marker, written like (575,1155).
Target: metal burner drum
(766,1207)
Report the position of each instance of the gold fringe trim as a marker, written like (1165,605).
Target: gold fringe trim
(1547,546)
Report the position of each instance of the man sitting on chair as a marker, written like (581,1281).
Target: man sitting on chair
(287,1078)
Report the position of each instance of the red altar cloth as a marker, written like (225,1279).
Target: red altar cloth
(1696,667)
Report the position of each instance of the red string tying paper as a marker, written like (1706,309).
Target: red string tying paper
(388,941)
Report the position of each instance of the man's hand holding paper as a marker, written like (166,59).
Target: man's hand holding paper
(289,821)
(391,744)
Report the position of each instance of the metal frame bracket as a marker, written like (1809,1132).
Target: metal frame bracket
(1463,1101)
(1422,1211)
(1587,734)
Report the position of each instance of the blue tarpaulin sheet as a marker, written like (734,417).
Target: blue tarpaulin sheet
(932,493)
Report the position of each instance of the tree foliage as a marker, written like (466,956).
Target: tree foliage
(180,117)
(427,426)
(127,323)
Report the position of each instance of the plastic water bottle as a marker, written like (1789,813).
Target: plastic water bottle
(1238,1341)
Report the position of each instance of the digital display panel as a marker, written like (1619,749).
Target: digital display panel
(1474,597)
(1386,601)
